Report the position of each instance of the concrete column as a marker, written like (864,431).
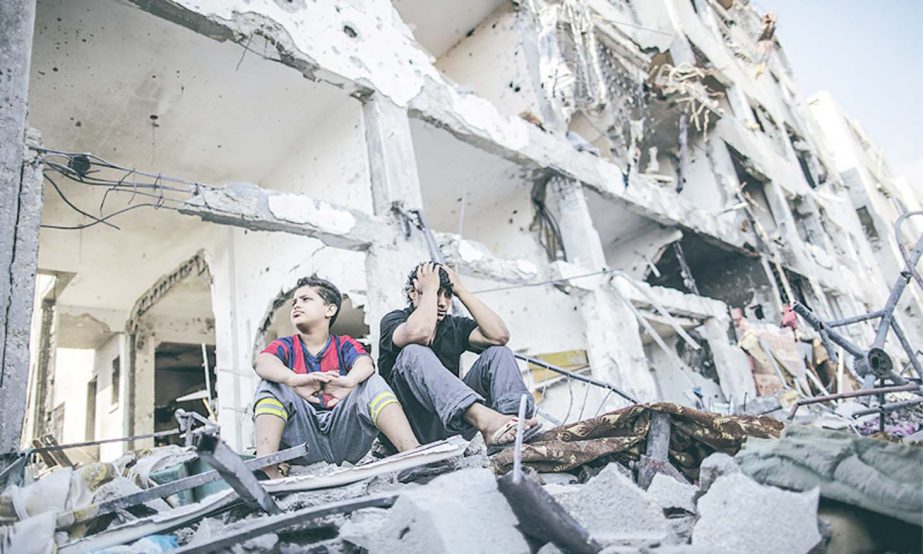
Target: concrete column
(393,169)
(731,362)
(614,349)
(233,347)
(143,386)
(392,164)
(20,215)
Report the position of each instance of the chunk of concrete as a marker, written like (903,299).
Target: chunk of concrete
(613,509)
(557,478)
(363,525)
(715,466)
(670,494)
(459,512)
(680,530)
(740,515)
(872,474)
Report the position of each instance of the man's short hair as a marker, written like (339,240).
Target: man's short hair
(326,290)
(444,282)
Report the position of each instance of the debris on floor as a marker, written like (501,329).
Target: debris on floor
(873,474)
(716,483)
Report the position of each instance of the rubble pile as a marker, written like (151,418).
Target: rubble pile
(755,495)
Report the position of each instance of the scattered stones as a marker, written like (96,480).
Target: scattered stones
(670,494)
(740,515)
(613,509)
(263,543)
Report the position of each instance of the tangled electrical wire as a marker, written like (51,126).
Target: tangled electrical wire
(158,190)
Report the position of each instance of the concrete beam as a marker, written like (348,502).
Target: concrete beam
(474,259)
(252,207)
(475,121)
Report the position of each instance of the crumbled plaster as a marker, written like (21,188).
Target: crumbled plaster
(249,206)
(476,260)
(300,209)
(359,46)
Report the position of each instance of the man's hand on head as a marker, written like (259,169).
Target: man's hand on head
(457,285)
(427,278)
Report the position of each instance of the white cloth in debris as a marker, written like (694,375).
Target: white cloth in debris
(159,458)
(34,535)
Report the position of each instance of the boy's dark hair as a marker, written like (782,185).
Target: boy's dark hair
(444,282)
(326,290)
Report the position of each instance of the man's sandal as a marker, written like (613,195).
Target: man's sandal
(505,436)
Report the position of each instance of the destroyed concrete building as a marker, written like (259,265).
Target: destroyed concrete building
(627,183)
(878,196)
(637,188)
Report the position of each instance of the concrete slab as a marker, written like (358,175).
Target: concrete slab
(670,494)
(460,512)
(715,466)
(613,509)
(740,515)
(865,472)
(680,530)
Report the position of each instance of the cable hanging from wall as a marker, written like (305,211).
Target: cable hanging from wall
(157,191)
(549,233)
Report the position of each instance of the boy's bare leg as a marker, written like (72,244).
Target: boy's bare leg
(269,430)
(487,421)
(393,423)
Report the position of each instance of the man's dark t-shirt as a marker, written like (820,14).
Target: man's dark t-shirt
(451,340)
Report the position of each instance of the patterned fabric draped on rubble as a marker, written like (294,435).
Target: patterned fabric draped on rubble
(622,434)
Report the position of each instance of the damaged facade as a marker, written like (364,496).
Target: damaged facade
(631,185)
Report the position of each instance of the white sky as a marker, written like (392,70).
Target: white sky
(867,53)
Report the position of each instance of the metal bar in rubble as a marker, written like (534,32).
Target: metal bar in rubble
(576,376)
(888,407)
(275,523)
(220,456)
(104,441)
(520,431)
(852,394)
(68,519)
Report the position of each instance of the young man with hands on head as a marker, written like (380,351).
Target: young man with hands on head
(419,355)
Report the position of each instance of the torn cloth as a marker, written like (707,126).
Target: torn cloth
(694,435)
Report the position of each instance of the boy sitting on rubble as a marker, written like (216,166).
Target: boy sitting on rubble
(321,389)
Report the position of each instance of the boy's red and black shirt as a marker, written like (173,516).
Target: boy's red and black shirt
(337,356)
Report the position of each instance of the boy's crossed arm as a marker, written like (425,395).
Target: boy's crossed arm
(341,385)
(307,385)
